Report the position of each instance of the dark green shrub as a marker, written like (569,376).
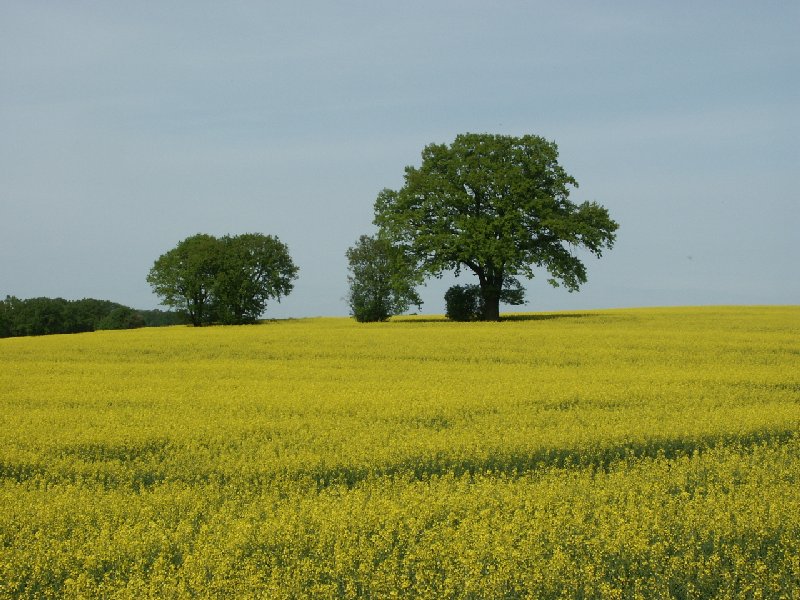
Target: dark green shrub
(463,303)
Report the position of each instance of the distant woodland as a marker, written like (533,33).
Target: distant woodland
(43,316)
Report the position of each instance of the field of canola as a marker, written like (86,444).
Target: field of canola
(650,453)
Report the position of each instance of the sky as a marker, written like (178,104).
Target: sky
(126,127)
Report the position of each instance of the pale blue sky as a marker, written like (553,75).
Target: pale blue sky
(125,127)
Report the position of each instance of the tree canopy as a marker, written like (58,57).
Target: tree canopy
(253,269)
(184,277)
(498,206)
(381,280)
(228,279)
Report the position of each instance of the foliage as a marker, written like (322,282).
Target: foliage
(43,316)
(184,277)
(607,454)
(228,279)
(463,303)
(380,279)
(122,318)
(161,318)
(6,322)
(254,268)
(498,206)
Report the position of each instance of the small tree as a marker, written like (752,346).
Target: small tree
(381,280)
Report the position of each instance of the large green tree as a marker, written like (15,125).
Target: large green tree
(498,206)
(381,280)
(228,279)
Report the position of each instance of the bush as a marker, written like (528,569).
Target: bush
(464,303)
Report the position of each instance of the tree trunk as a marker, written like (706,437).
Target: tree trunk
(491,284)
(491,301)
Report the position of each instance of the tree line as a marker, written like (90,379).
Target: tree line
(44,316)
(493,205)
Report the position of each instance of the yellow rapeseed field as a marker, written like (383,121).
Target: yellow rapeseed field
(650,453)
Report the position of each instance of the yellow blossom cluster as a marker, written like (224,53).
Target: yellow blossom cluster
(648,453)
